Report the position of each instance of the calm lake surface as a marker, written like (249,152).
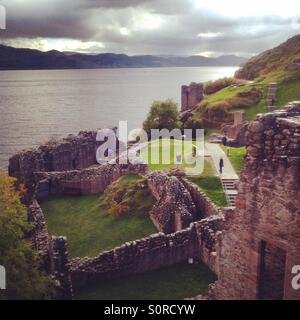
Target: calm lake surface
(38,105)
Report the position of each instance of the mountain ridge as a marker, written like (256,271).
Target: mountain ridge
(31,59)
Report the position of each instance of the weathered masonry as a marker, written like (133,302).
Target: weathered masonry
(260,242)
(191,95)
(252,248)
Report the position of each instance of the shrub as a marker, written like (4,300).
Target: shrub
(162,115)
(214,86)
(25,280)
(128,195)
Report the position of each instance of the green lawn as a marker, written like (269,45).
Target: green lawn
(158,149)
(89,228)
(210,184)
(176,282)
(236,157)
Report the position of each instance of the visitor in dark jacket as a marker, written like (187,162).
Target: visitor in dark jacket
(221,165)
(224,139)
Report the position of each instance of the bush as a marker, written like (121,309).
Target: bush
(214,86)
(25,280)
(128,195)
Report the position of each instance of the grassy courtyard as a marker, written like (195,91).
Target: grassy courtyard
(89,228)
(176,282)
(161,154)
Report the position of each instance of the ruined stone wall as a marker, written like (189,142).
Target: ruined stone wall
(82,182)
(39,234)
(73,152)
(52,251)
(174,209)
(267,209)
(191,95)
(154,252)
(61,271)
(204,206)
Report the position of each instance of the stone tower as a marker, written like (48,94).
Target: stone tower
(191,95)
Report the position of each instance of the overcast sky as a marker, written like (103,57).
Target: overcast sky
(175,27)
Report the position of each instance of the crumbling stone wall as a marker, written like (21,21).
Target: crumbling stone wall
(154,252)
(73,152)
(174,209)
(204,206)
(82,182)
(61,270)
(39,234)
(267,209)
(52,251)
(191,95)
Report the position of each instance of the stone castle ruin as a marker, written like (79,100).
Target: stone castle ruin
(252,248)
(260,242)
(191,95)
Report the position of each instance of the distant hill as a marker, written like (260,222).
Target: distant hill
(280,65)
(26,59)
(280,61)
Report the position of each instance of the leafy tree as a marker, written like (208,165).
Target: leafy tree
(162,115)
(24,279)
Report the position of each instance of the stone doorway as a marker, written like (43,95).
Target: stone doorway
(271,272)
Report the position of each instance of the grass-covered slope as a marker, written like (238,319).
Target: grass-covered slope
(281,65)
(277,60)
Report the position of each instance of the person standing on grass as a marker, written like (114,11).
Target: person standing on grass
(221,165)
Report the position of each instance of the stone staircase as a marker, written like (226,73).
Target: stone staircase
(272,90)
(230,188)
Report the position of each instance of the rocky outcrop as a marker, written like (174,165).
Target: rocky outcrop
(261,238)
(174,209)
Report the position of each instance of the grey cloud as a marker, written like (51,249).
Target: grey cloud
(100,21)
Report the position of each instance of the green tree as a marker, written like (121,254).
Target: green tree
(24,279)
(162,115)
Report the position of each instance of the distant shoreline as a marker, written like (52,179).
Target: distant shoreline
(109,68)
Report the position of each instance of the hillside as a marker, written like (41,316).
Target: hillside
(248,90)
(27,59)
(283,59)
